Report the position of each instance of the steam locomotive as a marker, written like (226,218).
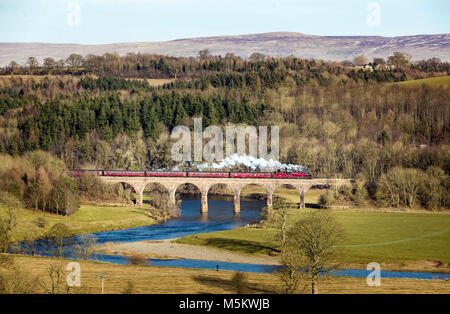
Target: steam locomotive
(194,174)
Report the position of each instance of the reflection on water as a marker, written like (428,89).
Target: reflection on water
(220,217)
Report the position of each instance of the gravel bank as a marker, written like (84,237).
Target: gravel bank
(168,249)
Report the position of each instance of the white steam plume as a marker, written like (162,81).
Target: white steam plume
(250,162)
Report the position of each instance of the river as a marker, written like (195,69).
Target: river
(220,217)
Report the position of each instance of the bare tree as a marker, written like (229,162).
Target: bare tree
(400,187)
(399,59)
(379,61)
(75,60)
(257,56)
(58,237)
(313,241)
(85,247)
(204,54)
(13,66)
(279,221)
(57,277)
(361,60)
(229,55)
(14,280)
(32,62)
(60,63)
(289,271)
(49,63)
(8,222)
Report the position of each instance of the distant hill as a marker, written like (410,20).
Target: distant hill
(335,48)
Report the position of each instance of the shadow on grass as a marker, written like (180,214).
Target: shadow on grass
(228,285)
(239,245)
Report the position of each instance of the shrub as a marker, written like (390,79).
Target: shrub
(63,199)
(137,259)
(91,186)
(400,187)
(41,222)
(359,192)
(9,200)
(345,190)
(58,238)
(326,200)
(433,188)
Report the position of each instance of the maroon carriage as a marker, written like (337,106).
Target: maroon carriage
(253,175)
(201,174)
(123,173)
(157,173)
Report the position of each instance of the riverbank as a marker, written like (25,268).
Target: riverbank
(32,224)
(168,249)
(398,241)
(166,280)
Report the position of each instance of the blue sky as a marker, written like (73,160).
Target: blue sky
(110,21)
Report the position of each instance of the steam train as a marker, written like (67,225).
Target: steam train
(194,174)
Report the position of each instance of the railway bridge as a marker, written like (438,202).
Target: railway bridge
(235,184)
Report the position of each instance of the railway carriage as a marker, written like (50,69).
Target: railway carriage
(201,174)
(157,173)
(123,173)
(253,175)
(193,174)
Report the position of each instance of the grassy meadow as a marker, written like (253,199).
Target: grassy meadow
(433,81)
(87,219)
(165,280)
(369,237)
(384,237)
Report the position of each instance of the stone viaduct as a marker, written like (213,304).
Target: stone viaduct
(235,184)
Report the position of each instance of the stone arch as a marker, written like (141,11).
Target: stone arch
(234,189)
(228,186)
(268,188)
(297,191)
(179,184)
(135,190)
(290,191)
(262,185)
(162,188)
(203,191)
(313,193)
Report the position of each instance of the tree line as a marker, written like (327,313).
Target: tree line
(334,125)
(143,65)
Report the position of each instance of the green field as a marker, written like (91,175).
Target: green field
(87,219)
(369,237)
(434,81)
